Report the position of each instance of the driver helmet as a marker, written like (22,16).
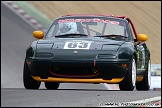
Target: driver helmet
(67,28)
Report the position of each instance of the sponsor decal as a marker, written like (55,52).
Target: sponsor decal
(89,20)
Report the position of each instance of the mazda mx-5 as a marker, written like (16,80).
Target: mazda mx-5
(88,48)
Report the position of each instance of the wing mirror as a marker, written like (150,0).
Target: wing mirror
(38,34)
(142,37)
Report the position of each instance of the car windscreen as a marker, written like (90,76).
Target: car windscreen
(90,26)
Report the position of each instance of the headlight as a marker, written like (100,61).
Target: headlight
(44,55)
(106,56)
(47,46)
(110,47)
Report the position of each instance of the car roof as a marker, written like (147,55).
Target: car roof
(122,17)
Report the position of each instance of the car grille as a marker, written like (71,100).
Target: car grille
(74,72)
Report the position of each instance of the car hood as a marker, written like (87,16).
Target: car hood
(80,43)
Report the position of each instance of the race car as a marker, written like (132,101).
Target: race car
(88,48)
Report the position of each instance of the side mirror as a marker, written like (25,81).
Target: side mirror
(142,37)
(38,34)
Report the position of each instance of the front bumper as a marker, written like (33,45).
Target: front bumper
(105,71)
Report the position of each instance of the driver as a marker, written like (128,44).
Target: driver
(67,28)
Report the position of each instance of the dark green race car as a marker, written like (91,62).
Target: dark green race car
(89,49)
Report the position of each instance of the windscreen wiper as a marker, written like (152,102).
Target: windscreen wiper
(70,35)
(111,35)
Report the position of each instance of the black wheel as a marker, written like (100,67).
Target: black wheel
(29,82)
(52,85)
(146,82)
(128,83)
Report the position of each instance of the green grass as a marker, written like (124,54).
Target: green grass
(44,20)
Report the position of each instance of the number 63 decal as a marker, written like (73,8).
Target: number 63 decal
(77,45)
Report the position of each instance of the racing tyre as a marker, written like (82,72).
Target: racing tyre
(29,82)
(128,83)
(52,85)
(146,82)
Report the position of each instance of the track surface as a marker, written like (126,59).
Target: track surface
(16,36)
(68,97)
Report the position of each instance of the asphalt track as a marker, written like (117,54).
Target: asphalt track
(16,36)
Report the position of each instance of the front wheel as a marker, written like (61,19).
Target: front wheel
(146,82)
(128,83)
(52,85)
(29,82)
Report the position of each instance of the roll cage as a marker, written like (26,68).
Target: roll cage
(122,17)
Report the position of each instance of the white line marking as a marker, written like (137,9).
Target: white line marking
(111,86)
(147,100)
(107,86)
